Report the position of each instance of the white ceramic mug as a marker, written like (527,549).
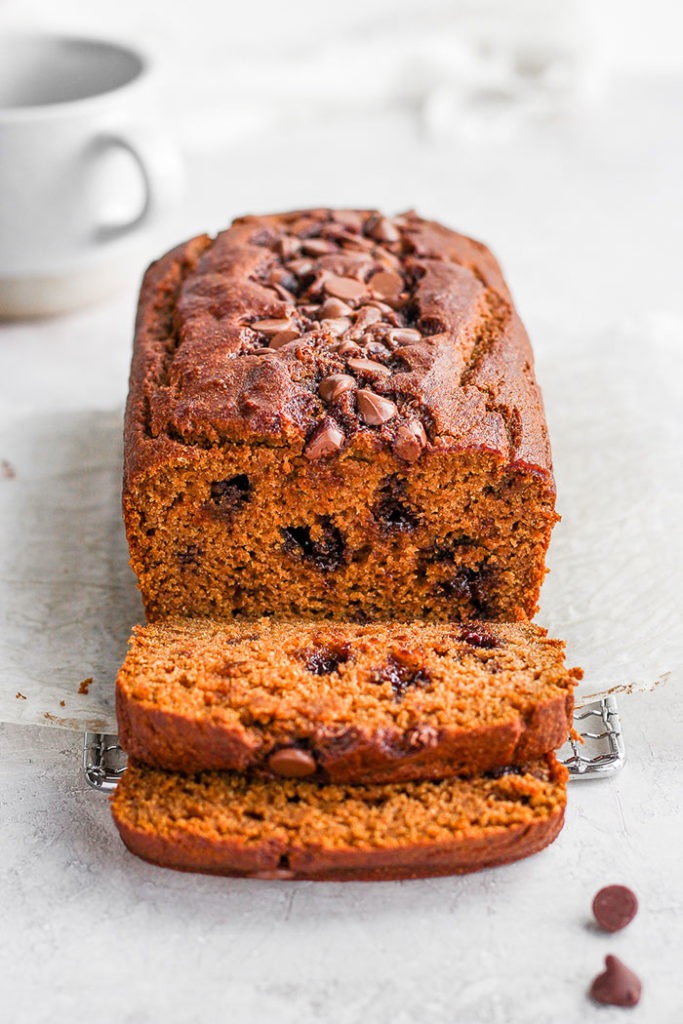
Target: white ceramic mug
(85,172)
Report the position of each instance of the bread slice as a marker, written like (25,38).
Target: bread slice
(225,824)
(345,703)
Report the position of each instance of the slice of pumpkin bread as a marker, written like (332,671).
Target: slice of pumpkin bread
(223,823)
(346,703)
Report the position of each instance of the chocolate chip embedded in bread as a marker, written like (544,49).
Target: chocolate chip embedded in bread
(373,409)
(617,985)
(385,284)
(382,229)
(288,246)
(283,338)
(404,336)
(410,440)
(337,326)
(333,308)
(318,247)
(331,388)
(614,907)
(326,441)
(292,763)
(270,326)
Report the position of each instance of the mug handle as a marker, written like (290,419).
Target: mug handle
(160,170)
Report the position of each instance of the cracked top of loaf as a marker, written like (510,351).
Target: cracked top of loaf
(324,330)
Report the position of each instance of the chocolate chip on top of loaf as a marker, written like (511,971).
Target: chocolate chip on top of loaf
(324,400)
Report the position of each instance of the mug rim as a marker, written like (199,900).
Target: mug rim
(33,110)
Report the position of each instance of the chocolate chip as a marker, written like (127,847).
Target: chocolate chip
(229,495)
(348,346)
(189,555)
(336,326)
(337,384)
(323,660)
(333,308)
(431,325)
(404,336)
(301,267)
(410,440)
(283,338)
(392,509)
(318,247)
(344,287)
(288,246)
(617,985)
(367,316)
(385,284)
(382,229)
(326,552)
(401,675)
(368,366)
(270,326)
(477,636)
(292,763)
(614,907)
(327,440)
(373,409)
(349,219)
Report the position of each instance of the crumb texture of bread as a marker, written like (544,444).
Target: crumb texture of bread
(381,702)
(333,414)
(225,823)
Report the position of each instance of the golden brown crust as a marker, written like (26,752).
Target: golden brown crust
(387,702)
(213,823)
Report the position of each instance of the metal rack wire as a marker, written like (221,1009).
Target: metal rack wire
(595,752)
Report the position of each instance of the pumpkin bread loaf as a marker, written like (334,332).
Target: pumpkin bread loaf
(384,702)
(224,823)
(333,414)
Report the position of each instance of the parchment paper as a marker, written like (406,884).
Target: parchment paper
(614,405)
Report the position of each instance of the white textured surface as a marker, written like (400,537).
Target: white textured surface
(586,223)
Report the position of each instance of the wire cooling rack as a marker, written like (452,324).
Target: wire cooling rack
(596,750)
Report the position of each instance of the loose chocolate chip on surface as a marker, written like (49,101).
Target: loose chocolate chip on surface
(326,441)
(331,388)
(614,907)
(292,763)
(617,985)
(344,287)
(410,440)
(369,366)
(373,409)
